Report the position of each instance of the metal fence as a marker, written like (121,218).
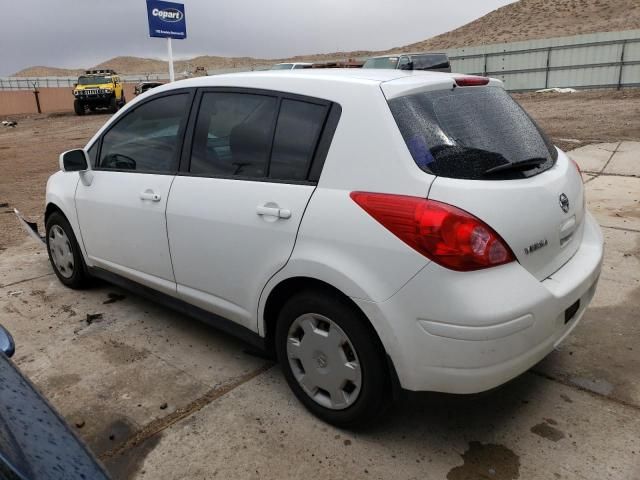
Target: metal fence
(599,60)
(602,60)
(31,83)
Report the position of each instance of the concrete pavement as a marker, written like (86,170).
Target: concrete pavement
(160,396)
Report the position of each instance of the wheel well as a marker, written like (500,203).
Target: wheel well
(52,207)
(290,287)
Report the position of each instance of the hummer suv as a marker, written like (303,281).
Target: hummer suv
(98,89)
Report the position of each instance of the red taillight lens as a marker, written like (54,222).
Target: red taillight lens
(471,81)
(445,234)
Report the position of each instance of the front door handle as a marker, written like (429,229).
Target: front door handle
(271,211)
(150,195)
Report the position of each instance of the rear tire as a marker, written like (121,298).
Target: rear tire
(78,107)
(123,100)
(64,253)
(337,336)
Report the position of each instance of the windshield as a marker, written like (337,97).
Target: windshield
(466,131)
(93,80)
(382,62)
(282,66)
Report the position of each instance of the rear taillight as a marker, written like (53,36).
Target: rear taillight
(445,234)
(471,81)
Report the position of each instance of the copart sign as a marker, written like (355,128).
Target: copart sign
(166,19)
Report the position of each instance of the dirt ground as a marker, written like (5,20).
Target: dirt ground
(29,152)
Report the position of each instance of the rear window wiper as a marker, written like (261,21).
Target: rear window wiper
(521,165)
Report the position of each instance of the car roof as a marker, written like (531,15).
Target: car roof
(334,76)
(334,84)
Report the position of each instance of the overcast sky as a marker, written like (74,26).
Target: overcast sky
(73,33)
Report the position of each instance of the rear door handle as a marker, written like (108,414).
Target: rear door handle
(150,195)
(264,210)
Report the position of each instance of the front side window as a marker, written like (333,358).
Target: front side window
(146,139)
(297,133)
(233,134)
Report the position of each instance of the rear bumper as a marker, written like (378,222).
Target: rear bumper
(469,332)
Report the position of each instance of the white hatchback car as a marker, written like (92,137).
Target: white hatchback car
(375,229)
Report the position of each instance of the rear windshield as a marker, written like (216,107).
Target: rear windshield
(282,66)
(465,132)
(431,61)
(382,62)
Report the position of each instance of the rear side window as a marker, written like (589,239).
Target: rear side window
(147,138)
(466,131)
(297,132)
(233,134)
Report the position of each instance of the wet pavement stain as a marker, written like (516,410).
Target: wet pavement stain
(545,430)
(118,353)
(62,381)
(487,461)
(113,298)
(103,440)
(127,464)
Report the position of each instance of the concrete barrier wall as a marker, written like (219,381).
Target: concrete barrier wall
(17,102)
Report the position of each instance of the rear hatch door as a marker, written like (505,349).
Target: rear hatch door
(492,160)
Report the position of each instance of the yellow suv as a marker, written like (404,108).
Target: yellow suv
(98,89)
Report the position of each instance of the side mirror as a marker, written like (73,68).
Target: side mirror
(7,345)
(74,161)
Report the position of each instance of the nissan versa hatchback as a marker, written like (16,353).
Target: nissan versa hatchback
(373,229)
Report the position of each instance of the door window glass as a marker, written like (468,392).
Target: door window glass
(297,132)
(146,139)
(233,134)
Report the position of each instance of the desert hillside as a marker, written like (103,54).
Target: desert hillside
(534,19)
(522,20)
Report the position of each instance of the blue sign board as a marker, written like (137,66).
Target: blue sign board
(166,19)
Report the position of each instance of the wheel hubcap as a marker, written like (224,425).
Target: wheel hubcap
(60,251)
(323,361)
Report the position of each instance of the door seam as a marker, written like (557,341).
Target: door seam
(295,242)
(166,228)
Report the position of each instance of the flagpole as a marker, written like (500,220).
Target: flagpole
(170,52)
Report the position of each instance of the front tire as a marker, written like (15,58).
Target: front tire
(78,107)
(113,104)
(332,359)
(64,252)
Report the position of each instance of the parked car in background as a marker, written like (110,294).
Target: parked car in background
(436,62)
(144,86)
(98,89)
(35,442)
(291,66)
(375,229)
